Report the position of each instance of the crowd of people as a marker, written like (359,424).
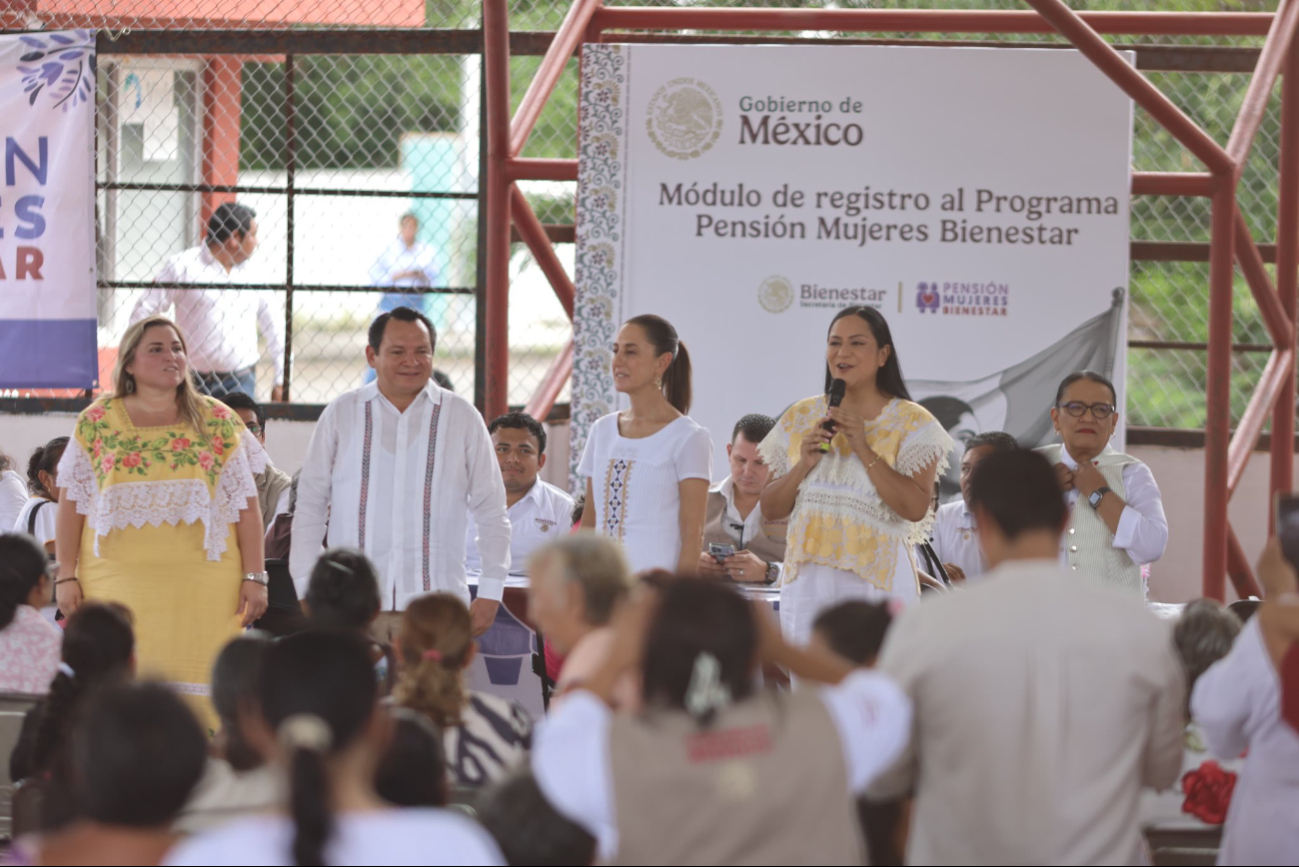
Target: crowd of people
(976,682)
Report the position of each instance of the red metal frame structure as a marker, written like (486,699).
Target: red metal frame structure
(1226,455)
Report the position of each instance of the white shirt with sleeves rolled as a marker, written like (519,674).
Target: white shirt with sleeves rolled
(400,486)
(543,514)
(1143,528)
(220,325)
(570,754)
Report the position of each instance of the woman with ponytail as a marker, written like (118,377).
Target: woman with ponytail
(39,515)
(484,736)
(321,724)
(712,771)
(29,644)
(648,467)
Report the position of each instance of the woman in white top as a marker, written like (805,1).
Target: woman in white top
(40,514)
(13,493)
(648,467)
(322,725)
(855,480)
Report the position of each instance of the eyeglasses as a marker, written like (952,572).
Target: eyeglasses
(253,428)
(1076,408)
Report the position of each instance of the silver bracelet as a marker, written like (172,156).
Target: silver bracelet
(262,578)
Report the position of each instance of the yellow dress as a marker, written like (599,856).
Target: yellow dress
(160,505)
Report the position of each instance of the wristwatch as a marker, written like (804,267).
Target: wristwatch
(773,573)
(1095,499)
(262,578)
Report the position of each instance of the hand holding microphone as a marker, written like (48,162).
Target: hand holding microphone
(833,398)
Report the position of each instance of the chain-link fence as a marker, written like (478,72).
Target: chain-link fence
(367,137)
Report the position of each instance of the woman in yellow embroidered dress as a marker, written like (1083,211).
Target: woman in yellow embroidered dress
(159,511)
(855,510)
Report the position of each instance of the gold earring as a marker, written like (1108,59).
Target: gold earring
(658,382)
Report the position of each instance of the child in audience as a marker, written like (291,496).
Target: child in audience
(344,594)
(484,736)
(29,644)
(413,771)
(528,830)
(323,727)
(138,753)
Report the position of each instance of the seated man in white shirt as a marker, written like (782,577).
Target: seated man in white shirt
(538,511)
(221,324)
(733,517)
(955,541)
(1117,521)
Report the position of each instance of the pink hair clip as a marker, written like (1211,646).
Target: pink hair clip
(435,655)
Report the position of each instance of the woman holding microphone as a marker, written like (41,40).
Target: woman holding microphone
(855,480)
(648,468)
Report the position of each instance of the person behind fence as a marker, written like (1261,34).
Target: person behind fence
(733,520)
(272,482)
(716,770)
(406,264)
(1042,704)
(955,539)
(1203,634)
(222,322)
(322,726)
(577,582)
(39,517)
(159,511)
(1239,705)
(29,644)
(648,467)
(138,752)
(538,511)
(854,480)
(1117,524)
(395,468)
(485,736)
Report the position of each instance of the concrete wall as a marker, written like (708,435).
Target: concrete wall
(1180,473)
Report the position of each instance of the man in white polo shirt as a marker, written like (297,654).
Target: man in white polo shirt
(956,541)
(538,511)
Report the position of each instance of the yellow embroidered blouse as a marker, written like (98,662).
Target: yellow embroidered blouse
(839,519)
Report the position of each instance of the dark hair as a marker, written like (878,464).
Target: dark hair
(413,770)
(228,219)
(1091,375)
(754,426)
(521,421)
(663,337)
(401,314)
(6,462)
(1203,635)
(1244,609)
(22,566)
(442,379)
(138,753)
(1019,491)
(344,590)
(693,618)
(239,400)
(889,378)
(1000,441)
(315,679)
(528,830)
(854,630)
(579,506)
(234,689)
(44,459)
(947,411)
(98,644)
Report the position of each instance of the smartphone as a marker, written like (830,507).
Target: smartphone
(720,552)
(1287,526)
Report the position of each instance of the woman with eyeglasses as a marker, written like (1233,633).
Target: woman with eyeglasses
(1117,521)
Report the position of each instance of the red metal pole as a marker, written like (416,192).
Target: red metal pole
(496,59)
(1135,85)
(1287,273)
(548,392)
(928,21)
(1279,325)
(566,40)
(1172,184)
(1275,50)
(1217,394)
(1256,413)
(542,170)
(534,235)
(1242,574)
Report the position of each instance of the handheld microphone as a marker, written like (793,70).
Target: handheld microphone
(835,397)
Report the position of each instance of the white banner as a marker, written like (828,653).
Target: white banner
(977,197)
(47,211)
